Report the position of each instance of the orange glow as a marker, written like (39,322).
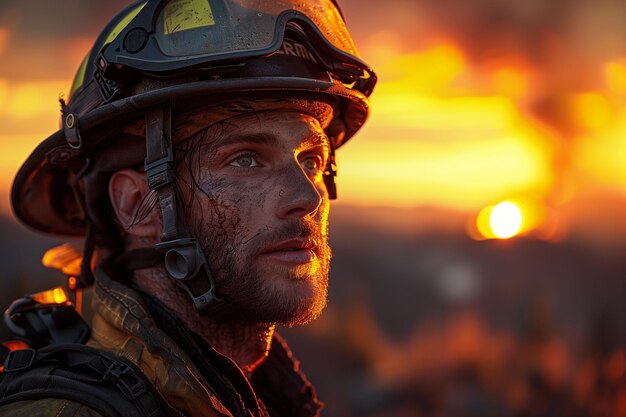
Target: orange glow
(510,82)
(67,258)
(79,299)
(4,94)
(5,34)
(71,283)
(427,72)
(606,163)
(482,223)
(15,345)
(615,73)
(35,98)
(29,112)
(54,296)
(382,46)
(592,110)
(436,139)
(457,152)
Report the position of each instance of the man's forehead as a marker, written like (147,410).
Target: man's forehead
(188,121)
(239,111)
(270,128)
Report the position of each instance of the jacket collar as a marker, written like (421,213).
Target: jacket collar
(125,325)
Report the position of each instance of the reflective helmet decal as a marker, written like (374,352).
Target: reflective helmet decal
(180,15)
(123,23)
(79,79)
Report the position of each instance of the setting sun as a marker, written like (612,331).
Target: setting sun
(505,220)
(500,221)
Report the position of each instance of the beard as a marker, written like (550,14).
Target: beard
(259,291)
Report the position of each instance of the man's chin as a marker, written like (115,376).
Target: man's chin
(307,307)
(306,316)
(289,297)
(298,300)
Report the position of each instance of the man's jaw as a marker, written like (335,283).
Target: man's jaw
(278,275)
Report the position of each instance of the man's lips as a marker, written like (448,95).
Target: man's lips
(293,251)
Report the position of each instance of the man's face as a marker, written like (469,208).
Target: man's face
(259,207)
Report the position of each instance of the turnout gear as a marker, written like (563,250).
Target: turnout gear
(138,349)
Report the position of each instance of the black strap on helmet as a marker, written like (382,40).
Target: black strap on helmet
(184,259)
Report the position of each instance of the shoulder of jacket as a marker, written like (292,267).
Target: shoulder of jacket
(47,407)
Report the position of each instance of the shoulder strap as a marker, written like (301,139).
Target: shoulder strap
(110,385)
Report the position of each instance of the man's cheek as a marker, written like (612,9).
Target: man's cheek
(322,216)
(251,198)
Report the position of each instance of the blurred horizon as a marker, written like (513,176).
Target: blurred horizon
(424,321)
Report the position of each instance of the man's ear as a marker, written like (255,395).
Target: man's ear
(127,190)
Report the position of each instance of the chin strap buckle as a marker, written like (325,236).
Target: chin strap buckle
(160,172)
(185,262)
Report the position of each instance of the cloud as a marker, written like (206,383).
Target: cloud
(5,35)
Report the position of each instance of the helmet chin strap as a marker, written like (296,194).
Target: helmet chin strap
(184,259)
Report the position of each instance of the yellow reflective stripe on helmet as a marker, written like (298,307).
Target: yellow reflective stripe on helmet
(181,15)
(79,79)
(122,23)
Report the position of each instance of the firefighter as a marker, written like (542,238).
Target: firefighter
(196,158)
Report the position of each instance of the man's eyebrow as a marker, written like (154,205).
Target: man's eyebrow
(316,139)
(259,138)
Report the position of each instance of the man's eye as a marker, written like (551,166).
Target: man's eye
(244,161)
(312,164)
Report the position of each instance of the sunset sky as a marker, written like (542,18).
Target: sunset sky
(478,101)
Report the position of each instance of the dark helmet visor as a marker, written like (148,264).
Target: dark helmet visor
(168,36)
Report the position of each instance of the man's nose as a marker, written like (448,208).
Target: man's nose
(298,196)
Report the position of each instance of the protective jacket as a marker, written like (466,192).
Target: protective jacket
(192,377)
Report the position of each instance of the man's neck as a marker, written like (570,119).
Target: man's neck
(246,343)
